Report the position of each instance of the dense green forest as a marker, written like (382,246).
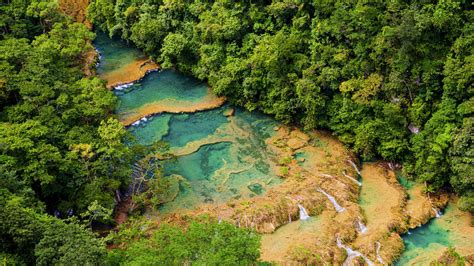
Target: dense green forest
(61,152)
(392,79)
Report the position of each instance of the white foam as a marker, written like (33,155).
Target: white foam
(123,86)
(362,228)
(352,254)
(338,207)
(303,213)
(437,212)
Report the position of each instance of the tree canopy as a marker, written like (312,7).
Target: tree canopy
(201,243)
(61,149)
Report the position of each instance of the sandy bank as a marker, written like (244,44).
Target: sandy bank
(129,73)
(172,106)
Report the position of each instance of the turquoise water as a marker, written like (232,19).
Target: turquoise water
(404,181)
(114,53)
(239,166)
(216,173)
(192,127)
(159,86)
(428,242)
(152,130)
(423,240)
(223,171)
(229,159)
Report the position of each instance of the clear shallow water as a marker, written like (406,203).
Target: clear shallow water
(430,238)
(404,181)
(154,129)
(428,242)
(228,158)
(159,86)
(192,127)
(225,170)
(115,54)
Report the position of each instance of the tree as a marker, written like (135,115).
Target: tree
(201,243)
(69,244)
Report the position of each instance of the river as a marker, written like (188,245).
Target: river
(226,155)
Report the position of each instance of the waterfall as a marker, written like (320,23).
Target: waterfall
(123,86)
(332,200)
(362,228)
(99,59)
(379,258)
(353,179)
(437,212)
(354,166)
(326,175)
(138,122)
(303,213)
(352,254)
(289,218)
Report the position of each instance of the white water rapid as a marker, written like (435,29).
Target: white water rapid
(379,258)
(437,212)
(352,254)
(338,207)
(303,213)
(362,228)
(354,166)
(353,179)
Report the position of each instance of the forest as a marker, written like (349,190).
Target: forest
(393,80)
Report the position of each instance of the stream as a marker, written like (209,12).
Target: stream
(222,152)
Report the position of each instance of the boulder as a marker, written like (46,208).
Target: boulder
(229,112)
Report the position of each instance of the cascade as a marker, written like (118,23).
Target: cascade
(353,179)
(437,212)
(303,213)
(338,207)
(362,228)
(138,122)
(354,166)
(99,57)
(123,86)
(352,254)
(379,258)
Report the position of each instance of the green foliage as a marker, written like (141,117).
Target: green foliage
(52,125)
(60,150)
(42,239)
(204,243)
(69,244)
(368,71)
